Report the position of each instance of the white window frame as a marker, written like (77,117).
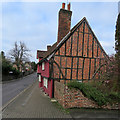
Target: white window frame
(46,82)
(39,78)
(43,66)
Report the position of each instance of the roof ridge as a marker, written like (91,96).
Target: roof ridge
(41,50)
(96,38)
(84,18)
(55,46)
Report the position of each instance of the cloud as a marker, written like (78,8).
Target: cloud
(101,17)
(36,23)
(31,23)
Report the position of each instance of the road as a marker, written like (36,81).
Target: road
(13,88)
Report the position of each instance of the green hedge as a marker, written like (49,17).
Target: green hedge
(7,67)
(113,96)
(15,72)
(90,92)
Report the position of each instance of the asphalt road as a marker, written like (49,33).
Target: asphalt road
(13,88)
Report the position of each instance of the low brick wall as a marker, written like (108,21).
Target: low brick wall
(59,92)
(69,98)
(75,98)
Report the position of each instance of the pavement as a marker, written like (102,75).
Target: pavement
(94,114)
(33,103)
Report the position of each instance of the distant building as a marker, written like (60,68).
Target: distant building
(23,67)
(15,66)
(28,66)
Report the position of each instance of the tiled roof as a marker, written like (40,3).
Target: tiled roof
(44,54)
(40,53)
(52,48)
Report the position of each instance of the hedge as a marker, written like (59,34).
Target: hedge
(90,92)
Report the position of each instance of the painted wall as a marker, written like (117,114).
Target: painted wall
(38,68)
(49,89)
(45,73)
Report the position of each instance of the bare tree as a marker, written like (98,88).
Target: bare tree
(20,53)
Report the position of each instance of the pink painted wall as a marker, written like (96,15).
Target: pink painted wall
(38,68)
(49,89)
(41,83)
(45,73)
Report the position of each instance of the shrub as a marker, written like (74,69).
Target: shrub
(6,67)
(114,96)
(90,92)
(15,72)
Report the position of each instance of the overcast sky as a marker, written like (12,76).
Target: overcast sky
(36,23)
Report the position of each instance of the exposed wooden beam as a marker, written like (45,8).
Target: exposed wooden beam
(83,39)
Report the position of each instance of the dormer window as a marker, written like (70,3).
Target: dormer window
(43,66)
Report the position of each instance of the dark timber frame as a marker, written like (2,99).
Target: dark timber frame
(88,46)
(83,38)
(94,40)
(83,68)
(89,68)
(71,68)
(78,57)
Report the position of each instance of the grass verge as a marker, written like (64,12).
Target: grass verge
(59,106)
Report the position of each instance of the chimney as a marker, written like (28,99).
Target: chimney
(64,22)
(63,5)
(48,47)
(68,7)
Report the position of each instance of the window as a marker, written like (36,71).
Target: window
(39,78)
(45,82)
(43,66)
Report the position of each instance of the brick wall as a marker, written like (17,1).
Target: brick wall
(70,98)
(59,92)
(64,23)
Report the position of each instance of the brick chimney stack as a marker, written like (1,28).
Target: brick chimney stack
(48,47)
(68,7)
(64,22)
(63,5)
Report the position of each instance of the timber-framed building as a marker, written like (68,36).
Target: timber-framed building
(77,54)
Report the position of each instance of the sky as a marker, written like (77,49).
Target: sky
(119,7)
(36,23)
